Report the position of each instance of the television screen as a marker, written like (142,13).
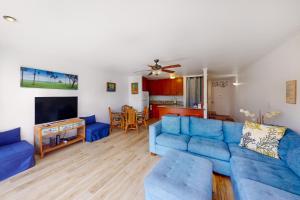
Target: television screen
(49,109)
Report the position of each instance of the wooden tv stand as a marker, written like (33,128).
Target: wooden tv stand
(57,128)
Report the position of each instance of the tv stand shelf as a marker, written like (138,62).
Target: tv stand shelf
(43,131)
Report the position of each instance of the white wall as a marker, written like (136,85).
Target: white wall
(17,104)
(264,84)
(135,100)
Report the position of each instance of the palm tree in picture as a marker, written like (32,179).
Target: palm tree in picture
(74,80)
(23,69)
(34,76)
(49,75)
(37,76)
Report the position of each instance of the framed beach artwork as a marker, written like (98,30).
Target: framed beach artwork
(110,87)
(37,78)
(134,88)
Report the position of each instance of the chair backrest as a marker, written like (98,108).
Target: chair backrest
(125,107)
(146,113)
(110,113)
(131,117)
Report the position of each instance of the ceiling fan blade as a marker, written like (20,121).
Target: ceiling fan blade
(150,73)
(171,66)
(168,71)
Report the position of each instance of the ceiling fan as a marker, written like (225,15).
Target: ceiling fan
(157,69)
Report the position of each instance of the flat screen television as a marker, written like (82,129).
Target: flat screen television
(49,109)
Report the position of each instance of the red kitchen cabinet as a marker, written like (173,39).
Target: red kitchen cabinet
(164,87)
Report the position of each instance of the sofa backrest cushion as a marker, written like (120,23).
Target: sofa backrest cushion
(170,124)
(290,140)
(89,120)
(232,132)
(293,160)
(10,137)
(185,125)
(207,128)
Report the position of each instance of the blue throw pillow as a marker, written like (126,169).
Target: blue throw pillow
(171,124)
(10,137)
(89,120)
(293,160)
(232,132)
(207,128)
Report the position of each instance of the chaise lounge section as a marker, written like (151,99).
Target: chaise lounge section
(254,176)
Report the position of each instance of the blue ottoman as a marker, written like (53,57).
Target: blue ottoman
(180,176)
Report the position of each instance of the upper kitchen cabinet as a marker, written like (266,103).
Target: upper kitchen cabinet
(164,87)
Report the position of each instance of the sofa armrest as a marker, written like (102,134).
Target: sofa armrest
(154,131)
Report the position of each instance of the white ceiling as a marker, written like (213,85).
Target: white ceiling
(125,36)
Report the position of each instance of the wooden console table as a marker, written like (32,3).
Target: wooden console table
(57,128)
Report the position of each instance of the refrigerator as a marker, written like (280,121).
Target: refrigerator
(145,99)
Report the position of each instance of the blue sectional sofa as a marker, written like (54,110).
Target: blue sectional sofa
(16,155)
(254,176)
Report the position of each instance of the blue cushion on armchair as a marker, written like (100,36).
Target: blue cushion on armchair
(10,137)
(89,120)
(171,124)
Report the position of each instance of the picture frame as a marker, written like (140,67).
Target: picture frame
(111,87)
(134,88)
(291,92)
(44,79)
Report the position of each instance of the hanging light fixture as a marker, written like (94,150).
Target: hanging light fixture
(172,76)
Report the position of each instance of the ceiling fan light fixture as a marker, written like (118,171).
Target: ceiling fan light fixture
(172,76)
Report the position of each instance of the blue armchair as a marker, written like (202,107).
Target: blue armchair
(95,130)
(16,155)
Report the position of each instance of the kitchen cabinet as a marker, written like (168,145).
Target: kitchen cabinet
(164,87)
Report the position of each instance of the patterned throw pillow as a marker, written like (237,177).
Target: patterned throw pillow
(262,138)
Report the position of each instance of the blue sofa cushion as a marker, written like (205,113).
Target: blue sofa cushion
(209,147)
(290,140)
(171,124)
(10,137)
(15,158)
(89,120)
(232,132)
(185,125)
(236,150)
(249,189)
(293,160)
(206,128)
(179,142)
(276,176)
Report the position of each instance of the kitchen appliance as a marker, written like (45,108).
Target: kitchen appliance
(145,99)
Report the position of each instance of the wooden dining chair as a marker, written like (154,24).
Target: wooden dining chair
(143,116)
(116,120)
(131,119)
(125,107)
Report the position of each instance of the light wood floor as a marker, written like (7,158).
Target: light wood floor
(112,168)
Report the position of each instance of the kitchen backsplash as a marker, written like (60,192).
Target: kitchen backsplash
(166,98)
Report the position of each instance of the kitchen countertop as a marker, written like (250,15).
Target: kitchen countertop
(178,106)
